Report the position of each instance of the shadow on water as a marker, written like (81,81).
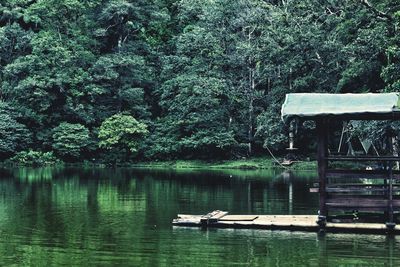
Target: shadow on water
(100,216)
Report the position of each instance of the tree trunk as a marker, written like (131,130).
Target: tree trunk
(251,110)
(251,88)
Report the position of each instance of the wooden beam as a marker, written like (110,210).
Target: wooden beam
(286,222)
(361,174)
(356,190)
(213,217)
(359,203)
(322,152)
(390,189)
(395,115)
(363,158)
(360,185)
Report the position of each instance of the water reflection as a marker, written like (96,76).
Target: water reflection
(74,216)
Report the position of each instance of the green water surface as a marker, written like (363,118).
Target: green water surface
(122,217)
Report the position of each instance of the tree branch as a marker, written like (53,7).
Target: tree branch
(376,11)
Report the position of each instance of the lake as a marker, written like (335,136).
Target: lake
(122,217)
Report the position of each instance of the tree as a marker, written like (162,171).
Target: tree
(208,77)
(70,140)
(194,95)
(246,29)
(14,136)
(122,132)
(119,82)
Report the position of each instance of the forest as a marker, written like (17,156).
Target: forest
(142,80)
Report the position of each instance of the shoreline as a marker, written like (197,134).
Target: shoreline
(241,164)
(245,164)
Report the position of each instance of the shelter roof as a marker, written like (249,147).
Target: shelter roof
(311,106)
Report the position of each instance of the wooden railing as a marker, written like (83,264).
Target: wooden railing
(365,190)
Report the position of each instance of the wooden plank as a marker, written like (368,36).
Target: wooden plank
(377,206)
(213,216)
(347,197)
(354,226)
(360,185)
(395,115)
(377,190)
(361,202)
(361,174)
(239,218)
(362,158)
(186,216)
(377,210)
(353,190)
(361,189)
(289,222)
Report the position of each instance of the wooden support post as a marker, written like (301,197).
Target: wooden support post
(390,193)
(390,224)
(322,151)
(386,188)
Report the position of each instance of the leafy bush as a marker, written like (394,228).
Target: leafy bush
(70,139)
(14,136)
(36,158)
(122,132)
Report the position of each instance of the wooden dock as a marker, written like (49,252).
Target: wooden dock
(221,219)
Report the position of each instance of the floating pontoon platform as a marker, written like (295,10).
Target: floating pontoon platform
(221,219)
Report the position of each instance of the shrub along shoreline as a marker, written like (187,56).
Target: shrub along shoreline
(37,159)
(243,164)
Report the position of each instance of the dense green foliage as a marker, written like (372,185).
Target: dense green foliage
(70,140)
(34,158)
(205,78)
(14,136)
(121,133)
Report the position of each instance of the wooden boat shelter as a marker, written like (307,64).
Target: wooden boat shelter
(359,199)
(374,191)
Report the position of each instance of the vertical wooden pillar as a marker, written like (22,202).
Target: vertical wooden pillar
(322,153)
(390,199)
(386,188)
(390,223)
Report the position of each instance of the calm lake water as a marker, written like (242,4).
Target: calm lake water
(122,217)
